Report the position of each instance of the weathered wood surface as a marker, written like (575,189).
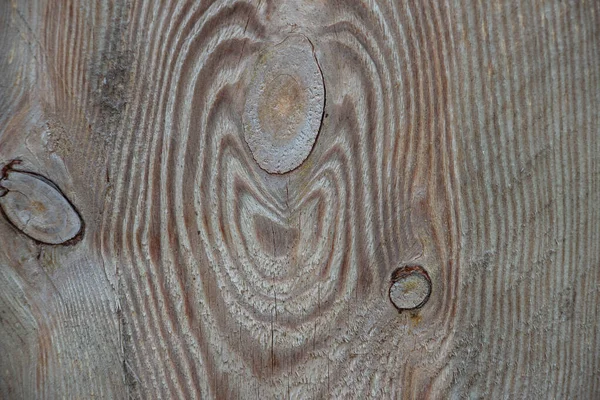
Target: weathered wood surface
(461,136)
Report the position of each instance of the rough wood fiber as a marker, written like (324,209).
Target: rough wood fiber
(460,136)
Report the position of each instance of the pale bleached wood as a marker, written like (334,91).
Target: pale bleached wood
(459,136)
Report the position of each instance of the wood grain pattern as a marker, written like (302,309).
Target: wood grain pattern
(460,136)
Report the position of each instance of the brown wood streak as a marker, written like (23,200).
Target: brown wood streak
(459,136)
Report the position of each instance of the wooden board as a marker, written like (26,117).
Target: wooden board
(457,136)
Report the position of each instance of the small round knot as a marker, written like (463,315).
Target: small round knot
(410,287)
(35,206)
